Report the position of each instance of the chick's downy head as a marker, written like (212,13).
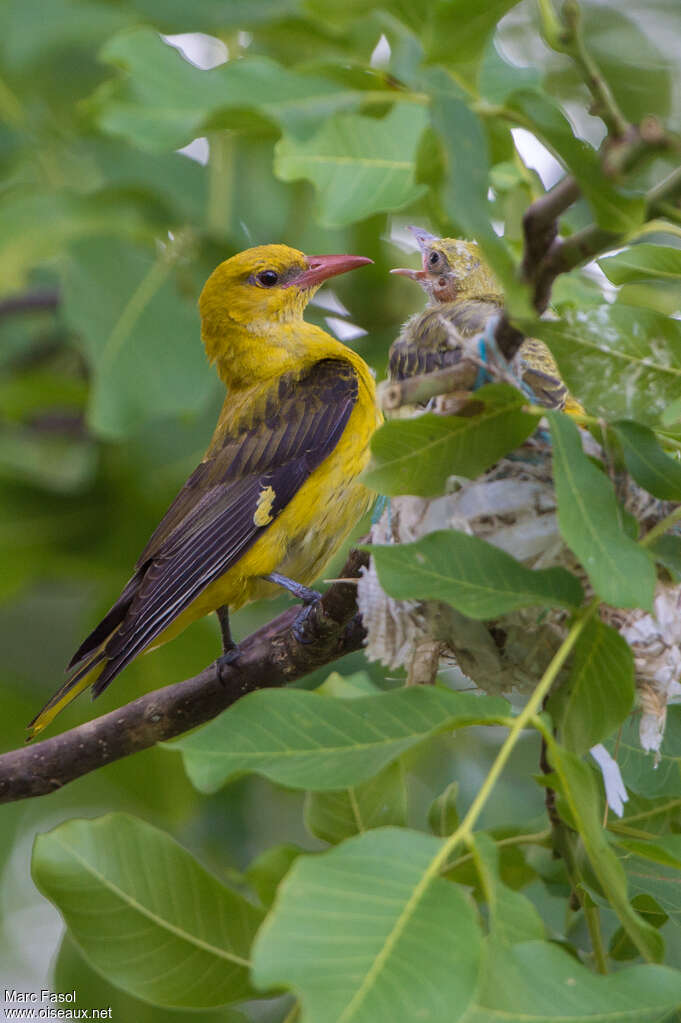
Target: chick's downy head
(451,269)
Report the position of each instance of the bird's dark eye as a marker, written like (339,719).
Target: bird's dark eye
(268,278)
(434,258)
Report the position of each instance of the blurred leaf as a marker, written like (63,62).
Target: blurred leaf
(376,803)
(36,228)
(621,572)
(371,888)
(667,551)
(214,15)
(306,741)
(111,878)
(612,210)
(141,337)
(467,182)
(267,871)
(539,982)
(672,413)
(475,577)
(443,816)
(577,785)
(498,78)
(639,769)
(652,870)
(61,464)
(30,28)
(72,972)
(599,691)
(620,361)
(458,33)
(348,687)
(656,471)
(641,262)
(620,946)
(513,918)
(418,456)
(162,102)
(359,165)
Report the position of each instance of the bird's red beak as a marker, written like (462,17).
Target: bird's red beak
(416,275)
(323,267)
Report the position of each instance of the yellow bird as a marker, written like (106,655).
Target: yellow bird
(463,295)
(277,491)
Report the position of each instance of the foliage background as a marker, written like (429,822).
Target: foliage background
(106,402)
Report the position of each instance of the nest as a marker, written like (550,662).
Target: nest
(513,506)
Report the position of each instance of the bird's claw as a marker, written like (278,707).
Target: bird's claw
(301,627)
(226,660)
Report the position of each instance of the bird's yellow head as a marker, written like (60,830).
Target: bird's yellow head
(263,286)
(451,269)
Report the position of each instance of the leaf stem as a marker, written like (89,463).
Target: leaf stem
(593,922)
(534,838)
(661,527)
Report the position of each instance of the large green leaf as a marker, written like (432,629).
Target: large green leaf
(656,471)
(577,785)
(146,914)
(307,741)
(360,937)
(359,165)
(163,102)
(539,982)
(458,31)
(376,803)
(475,577)
(640,262)
(417,456)
(653,869)
(140,335)
(512,917)
(621,362)
(599,692)
(621,572)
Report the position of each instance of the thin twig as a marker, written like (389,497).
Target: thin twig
(29,302)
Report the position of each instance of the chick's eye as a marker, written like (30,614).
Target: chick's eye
(434,258)
(268,278)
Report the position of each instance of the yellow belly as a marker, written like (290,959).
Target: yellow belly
(305,535)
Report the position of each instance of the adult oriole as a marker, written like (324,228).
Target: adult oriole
(277,491)
(463,296)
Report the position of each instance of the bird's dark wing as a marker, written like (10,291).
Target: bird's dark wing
(433,339)
(232,496)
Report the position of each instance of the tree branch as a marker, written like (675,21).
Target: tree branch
(29,302)
(269,657)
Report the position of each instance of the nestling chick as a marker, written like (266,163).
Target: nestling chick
(463,294)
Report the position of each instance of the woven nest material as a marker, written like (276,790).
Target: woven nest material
(513,506)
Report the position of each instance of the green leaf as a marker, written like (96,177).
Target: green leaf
(640,771)
(376,803)
(443,815)
(307,741)
(35,229)
(621,572)
(672,413)
(475,577)
(352,924)
(577,784)
(418,456)
(667,551)
(612,210)
(73,972)
(513,918)
(464,146)
(539,982)
(599,692)
(620,362)
(458,32)
(267,871)
(348,687)
(139,334)
(162,102)
(652,870)
(359,165)
(112,879)
(656,471)
(643,261)
(60,464)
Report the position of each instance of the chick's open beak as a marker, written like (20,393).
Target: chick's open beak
(323,267)
(416,275)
